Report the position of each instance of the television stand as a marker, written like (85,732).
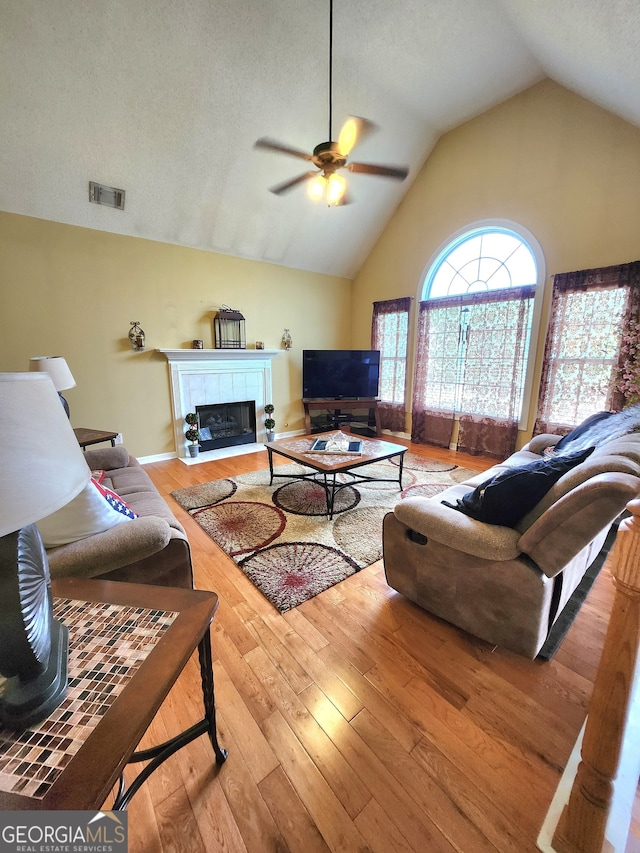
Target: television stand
(341,413)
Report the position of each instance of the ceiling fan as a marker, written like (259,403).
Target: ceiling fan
(329,157)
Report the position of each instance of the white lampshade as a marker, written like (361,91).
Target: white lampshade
(57,368)
(42,467)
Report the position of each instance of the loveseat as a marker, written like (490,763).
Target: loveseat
(508,584)
(152,548)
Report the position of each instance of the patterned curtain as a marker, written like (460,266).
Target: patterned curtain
(471,359)
(487,436)
(593,313)
(390,335)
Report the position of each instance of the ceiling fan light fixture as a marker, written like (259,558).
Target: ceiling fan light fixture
(348,136)
(330,188)
(317,188)
(336,187)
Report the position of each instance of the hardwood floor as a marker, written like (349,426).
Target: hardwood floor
(357,721)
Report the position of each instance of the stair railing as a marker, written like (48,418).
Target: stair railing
(583,824)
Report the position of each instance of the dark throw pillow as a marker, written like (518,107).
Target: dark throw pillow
(506,498)
(581,429)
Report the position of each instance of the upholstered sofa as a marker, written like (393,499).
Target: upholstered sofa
(152,548)
(507,585)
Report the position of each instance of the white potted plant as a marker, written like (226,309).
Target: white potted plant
(269,423)
(192,434)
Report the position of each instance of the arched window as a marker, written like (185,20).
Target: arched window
(475,323)
(487,258)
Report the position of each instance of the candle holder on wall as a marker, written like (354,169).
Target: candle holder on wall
(136,336)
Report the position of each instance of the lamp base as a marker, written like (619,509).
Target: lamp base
(65,405)
(28,701)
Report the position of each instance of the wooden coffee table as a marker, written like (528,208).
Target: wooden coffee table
(325,467)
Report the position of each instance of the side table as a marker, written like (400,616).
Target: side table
(86,437)
(128,643)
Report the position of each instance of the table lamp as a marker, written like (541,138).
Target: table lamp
(42,468)
(58,369)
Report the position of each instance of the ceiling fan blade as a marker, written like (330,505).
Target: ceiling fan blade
(397,172)
(284,187)
(353,131)
(273,145)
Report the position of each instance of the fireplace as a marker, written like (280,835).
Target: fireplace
(201,377)
(226,424)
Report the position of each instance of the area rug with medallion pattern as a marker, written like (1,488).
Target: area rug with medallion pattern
(280,536)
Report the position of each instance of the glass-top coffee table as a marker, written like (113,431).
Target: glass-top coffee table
(325,467)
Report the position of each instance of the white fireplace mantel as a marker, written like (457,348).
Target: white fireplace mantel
(201,377)
(218,354)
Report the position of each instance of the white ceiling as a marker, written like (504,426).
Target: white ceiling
(165,98)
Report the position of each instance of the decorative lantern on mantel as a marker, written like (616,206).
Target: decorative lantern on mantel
(229,329)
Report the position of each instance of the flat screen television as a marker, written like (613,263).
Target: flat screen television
(340,374)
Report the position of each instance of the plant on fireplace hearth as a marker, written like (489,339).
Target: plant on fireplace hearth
(193,433)
(269,423)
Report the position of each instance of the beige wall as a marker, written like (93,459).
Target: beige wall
(73,291)
(547,159)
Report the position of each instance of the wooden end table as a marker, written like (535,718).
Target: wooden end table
(128,643)
(330,465)
(86,437)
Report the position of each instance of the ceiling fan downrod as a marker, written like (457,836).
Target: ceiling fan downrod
(330,66)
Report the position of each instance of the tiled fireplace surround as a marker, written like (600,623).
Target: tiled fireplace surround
(209,376)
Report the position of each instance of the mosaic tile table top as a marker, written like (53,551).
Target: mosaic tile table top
(108,643)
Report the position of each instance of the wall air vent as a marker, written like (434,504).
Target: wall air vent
(112,197)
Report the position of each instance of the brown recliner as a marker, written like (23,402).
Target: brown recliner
(509,585)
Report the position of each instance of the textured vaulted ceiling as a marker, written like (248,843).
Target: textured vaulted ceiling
(165,98)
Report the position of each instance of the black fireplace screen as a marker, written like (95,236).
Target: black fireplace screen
(226,424)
